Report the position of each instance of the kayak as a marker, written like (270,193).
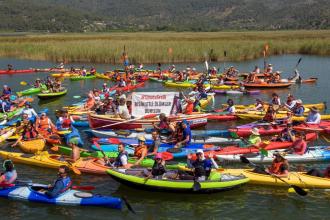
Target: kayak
(215,183)
(147,162)
(247,116)
(319,106)
(300,179)
(76,78)
(17,71)
(155,79)
(267,85)
(309,80)
(128,87)
(314,154)
(32,146)
(237,92)
(191,85)
(221,116)
(50,95)
(11,114)
(102,76)
(32,90)
(70,197)
(6,135)
(54,161)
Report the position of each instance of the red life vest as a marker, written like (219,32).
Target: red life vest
(66,123)
(28,135)
(276,167)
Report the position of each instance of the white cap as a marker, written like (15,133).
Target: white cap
(199,151)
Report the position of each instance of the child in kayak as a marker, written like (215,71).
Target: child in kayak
(29,133)
(10,175)
(61,184)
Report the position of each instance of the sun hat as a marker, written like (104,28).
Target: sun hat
(199,151)
(141,138)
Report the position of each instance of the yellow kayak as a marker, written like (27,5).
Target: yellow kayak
(102,76)
(191,85)
(295,178)
(205,102)
(66,74)
(246,116)
(32,146)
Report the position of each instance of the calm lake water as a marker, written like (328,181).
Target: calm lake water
(248,202)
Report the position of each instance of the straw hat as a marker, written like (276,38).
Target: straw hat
(255,131)
(314,109)
(141,138)
(299,101)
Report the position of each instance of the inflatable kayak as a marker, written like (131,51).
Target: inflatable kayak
(215,183)
(32,146)
(314,154)
(300,179)
(76,78)
(70,197)
(17,71)
(32,90)
(9,115)
(50,95)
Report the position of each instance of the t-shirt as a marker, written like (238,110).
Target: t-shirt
(30,112)
(187,132)
(299,147)
(123,159)
(155,144)
(123,112)
(313,118)
(231,109)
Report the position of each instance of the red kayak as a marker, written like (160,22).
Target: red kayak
(218,117)
(17,71)
(273,145)
(127,88)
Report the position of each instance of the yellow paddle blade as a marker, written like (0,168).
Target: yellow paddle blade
(74,169)
(291,190)
(55,148)
(23,83)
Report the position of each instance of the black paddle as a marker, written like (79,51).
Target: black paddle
(129,207)
(197,186)
(297,189)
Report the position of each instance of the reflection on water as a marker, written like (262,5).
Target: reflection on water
(255,202)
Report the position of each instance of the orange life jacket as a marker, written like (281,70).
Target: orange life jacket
(189,108)
(43,124)
(138,151)
(276,167)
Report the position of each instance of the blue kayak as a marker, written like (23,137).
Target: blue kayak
(84,124)
(70,197)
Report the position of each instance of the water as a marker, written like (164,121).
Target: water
(247,202)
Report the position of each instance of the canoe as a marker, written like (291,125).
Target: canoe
(147,162)
(32,90)
(106,121)
(50,95)
(6,135)
(76,78)
(127,88)
(267,85)
(54,161)
(191,85)
(32,146)
(17,71)
(216,183)
(70,197)
(300,179)
(314,154)
(278,116)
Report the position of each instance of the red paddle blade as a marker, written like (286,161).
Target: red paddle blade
(167,156)
(6,185)
(113,141)
(83,187)
(150,116)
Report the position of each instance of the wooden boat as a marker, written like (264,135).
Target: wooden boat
(107,121)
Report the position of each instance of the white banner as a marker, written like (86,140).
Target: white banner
(144,103)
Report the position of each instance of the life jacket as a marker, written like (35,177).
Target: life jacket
(276,167)
(268,117)
(189,108)
(158,169)
(138,151)
(163,125)
(8,175)
(44,124)
(66,183)
(66,123)
(6,92)
(28,135)
(118,162)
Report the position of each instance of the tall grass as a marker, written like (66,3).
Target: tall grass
(153,47)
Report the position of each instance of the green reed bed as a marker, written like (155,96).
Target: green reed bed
(153,47)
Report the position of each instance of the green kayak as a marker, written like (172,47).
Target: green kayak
(76,78)
(216,182)
(11,114)
(50,95)
(155,79)
(32,90)
(145,163)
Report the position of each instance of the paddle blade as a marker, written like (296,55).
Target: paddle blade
(55,148)
(197,186)
(244,159)
(167,156)
(83,187)
(23,83)
(299,190)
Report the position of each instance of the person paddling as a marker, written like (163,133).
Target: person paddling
(186,135)
(29,133)
(140,151)
(201,167)
(61,184)
(153,147)
(9,175)
(280,166)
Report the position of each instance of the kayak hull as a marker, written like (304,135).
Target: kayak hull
(52,95)
(32,146)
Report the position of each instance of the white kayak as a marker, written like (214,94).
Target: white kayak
(134,135)
(314,154)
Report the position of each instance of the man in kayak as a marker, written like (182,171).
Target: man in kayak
(186,135)
(299,145)
(9,175)
(122,110)
(153,148)
(201,167)
(314,116)
(121,161)
(6,91)
(140,151)
(270,115)
(279,167)
(5,104)
(62,183)
(269,68)
(10,67)
(298,109)
(65,121)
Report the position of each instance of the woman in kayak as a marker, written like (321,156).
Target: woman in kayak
(140,151)
(279,167)
(44,125)
(158,168)
(30,111)
(6,91)
(314,116)
(299,145)
(29,133)
(298,109)
(5,104)
(270,115)
(61,184)
(9,175)
(287,134)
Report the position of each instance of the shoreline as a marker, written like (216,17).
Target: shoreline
(163,47)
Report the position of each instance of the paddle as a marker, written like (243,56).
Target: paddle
(23,83)
(130,120)
(129,207)
(196,186)
(73,168)
(298,62)
(298,189)
(99,147)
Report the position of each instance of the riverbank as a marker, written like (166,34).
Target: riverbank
(164,47)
